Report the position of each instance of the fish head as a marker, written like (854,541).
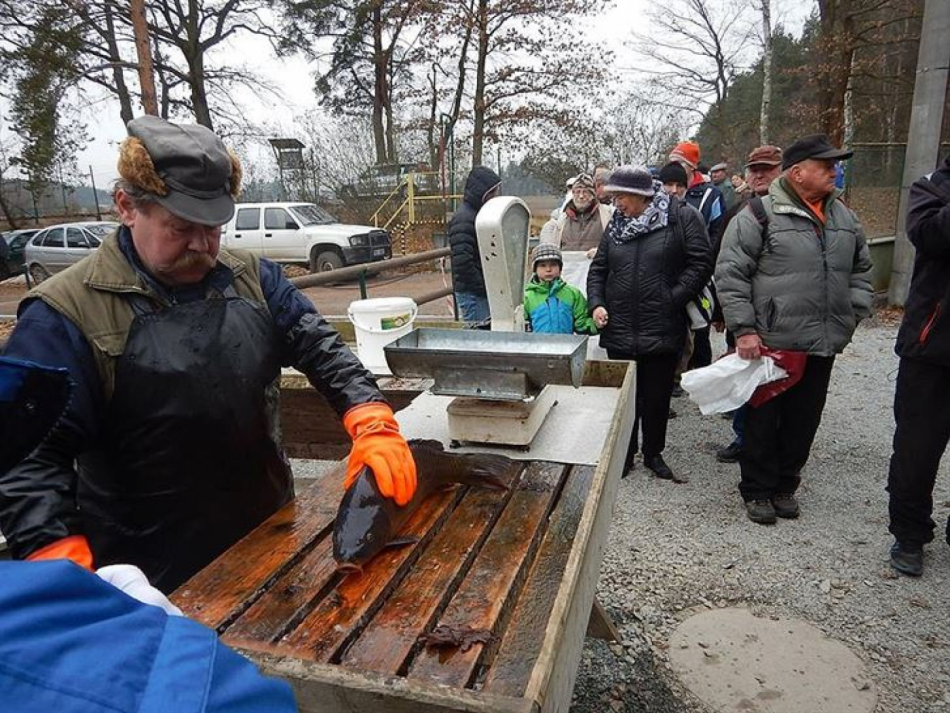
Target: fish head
(364,524)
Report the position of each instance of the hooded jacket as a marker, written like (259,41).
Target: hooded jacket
(646,282)
(466,261)
(800,284)
(925,330)
(556,308)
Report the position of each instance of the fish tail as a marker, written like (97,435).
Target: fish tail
(488,471)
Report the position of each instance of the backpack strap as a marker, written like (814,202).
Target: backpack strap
(758,210)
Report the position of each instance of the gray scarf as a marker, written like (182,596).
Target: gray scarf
(622,229)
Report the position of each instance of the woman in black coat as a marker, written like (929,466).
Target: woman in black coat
(653,259)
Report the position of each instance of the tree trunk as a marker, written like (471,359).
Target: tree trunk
(430,128)
(118,74)
(837,48)
(478,135)
(766,72)
(379,87)
(144,52)
(7,213)
(194,56)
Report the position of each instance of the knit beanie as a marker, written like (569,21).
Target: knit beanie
(631,179)
(688,152)
(546,251)
(674,173)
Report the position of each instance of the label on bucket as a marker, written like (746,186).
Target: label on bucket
(395,322)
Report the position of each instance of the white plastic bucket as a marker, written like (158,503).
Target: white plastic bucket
(377,322)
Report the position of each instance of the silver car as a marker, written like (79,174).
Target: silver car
(59,246)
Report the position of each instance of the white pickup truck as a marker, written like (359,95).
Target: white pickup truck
(304,233)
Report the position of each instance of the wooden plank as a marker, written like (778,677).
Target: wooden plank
(601,626)
(552,681)
(336,619)
(521,646)
(494,577)
(394,631)
(286,601)
(233,580)
(321,688)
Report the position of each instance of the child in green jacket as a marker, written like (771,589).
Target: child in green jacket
(552,306)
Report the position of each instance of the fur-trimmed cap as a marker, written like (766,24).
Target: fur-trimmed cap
(185,166)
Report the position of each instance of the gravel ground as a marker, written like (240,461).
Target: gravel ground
(676,549)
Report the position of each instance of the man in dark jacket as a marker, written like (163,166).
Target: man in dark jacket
(923,381)
(481,186)
(653,259)
(169,451)
(800,283)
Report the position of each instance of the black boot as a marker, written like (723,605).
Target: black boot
(907,559)
(662,470)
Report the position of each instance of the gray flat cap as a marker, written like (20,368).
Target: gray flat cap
(195,166)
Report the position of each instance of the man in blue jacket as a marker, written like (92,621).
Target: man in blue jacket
(169,451)
(72,642)
(923,380)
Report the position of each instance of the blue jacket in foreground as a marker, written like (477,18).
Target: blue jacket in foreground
(72,643)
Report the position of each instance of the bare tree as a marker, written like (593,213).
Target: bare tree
(696,48)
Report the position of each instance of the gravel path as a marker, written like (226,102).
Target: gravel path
(676,549)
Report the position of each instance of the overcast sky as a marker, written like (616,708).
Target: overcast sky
(292,78)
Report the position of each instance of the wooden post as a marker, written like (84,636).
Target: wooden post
(923,138)
(146,73)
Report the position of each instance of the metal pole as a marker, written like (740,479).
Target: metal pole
(923,138)
(95,193)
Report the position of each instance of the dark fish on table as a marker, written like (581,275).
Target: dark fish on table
(367,522)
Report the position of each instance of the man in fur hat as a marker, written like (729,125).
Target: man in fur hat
(169,450)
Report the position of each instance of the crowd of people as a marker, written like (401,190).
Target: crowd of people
(150,470)
(776,260)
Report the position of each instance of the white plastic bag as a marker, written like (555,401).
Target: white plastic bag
(728,383)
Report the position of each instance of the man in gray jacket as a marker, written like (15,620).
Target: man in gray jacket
(795,278)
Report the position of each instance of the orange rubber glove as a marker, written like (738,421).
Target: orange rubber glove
(74,548)
(378,444)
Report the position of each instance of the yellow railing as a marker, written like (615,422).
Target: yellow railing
(410,187)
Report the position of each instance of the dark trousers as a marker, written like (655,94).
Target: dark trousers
(702,350)
(654,390)
(922,413)
(779,433)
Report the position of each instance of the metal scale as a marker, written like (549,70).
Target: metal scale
(500,378)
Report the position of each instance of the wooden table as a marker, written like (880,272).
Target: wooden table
(514,572)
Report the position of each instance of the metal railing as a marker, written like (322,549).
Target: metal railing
(361,272)
(409,187)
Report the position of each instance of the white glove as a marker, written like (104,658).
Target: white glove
(131,580)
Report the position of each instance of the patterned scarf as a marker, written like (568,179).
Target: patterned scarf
(622,229)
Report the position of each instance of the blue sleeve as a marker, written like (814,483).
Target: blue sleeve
(38,495)
(285,302)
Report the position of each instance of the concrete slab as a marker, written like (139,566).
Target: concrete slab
(734,661)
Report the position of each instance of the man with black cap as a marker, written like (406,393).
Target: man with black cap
(169,450)
(798,281)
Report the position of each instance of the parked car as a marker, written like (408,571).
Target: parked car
(55,248)
(304,233)
(12,262)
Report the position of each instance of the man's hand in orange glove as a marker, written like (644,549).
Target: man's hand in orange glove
(378,444)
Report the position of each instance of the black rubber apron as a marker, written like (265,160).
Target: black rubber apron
(188,461)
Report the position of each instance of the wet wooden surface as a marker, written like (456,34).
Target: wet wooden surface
(486,561)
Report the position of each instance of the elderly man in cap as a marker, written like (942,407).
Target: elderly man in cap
(797,279)
(719,177)
(580,226)
(764,164)
(169,450)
